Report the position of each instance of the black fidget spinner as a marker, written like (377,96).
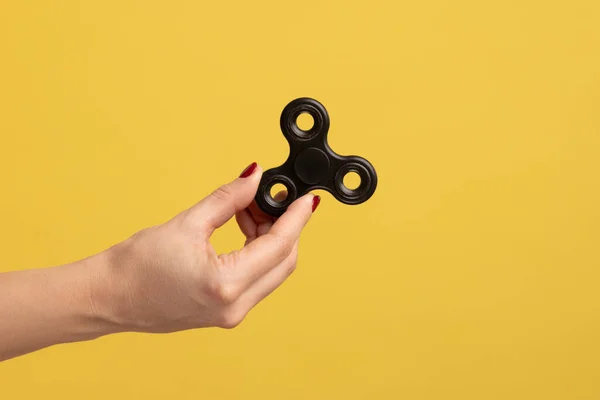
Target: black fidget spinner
(312,164)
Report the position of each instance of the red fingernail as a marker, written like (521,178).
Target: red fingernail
(316,202)
(249,170)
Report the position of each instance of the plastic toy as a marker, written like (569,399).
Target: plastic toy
(312,164)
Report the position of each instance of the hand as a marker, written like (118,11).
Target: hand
(169,278)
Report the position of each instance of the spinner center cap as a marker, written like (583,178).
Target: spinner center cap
(312,165)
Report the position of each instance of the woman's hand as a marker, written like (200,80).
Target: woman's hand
(169,277)
(163,279)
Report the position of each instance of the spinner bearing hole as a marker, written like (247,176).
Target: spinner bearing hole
(278,193)
(352,180)
(305,121)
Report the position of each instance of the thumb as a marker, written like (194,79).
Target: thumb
(223,203)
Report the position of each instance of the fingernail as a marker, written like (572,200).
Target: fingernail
(249,170)
(316,202)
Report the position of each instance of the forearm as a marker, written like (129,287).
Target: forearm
(48,306)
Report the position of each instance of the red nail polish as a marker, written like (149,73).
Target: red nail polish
(316,202)
(249,170)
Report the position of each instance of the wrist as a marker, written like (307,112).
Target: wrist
(106,291)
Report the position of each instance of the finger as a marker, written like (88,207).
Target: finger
(293,221)
(223,203)
(270,249)
(252,226)
(258,215)
(249,228)
(246,223)
(268,283)
(281,196)
(261,229)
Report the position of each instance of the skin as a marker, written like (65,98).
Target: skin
(165,278)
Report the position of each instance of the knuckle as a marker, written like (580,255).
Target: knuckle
(292,267)
(223,192)
(228,261)
(223,292)
(285,245)
(231,318)
(293,260)
(235,258)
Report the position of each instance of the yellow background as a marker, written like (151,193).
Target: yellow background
(472,273)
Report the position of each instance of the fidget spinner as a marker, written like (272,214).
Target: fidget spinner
(312,164)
